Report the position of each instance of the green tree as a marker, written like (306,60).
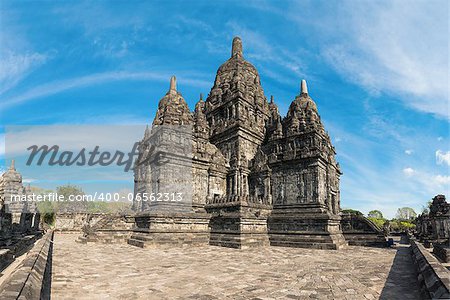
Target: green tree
(68,190)
(375,214)
(71,203)
(406,213)
(406,225)
(401,225)
(377,221)
(46,208)
(426,209)
(352,211)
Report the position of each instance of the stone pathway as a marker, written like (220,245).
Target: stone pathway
(96,271)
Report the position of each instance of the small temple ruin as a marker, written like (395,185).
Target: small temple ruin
(16,215)
(433,228)
(19,220)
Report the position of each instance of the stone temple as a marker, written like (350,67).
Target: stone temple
(257,178)
(16,216)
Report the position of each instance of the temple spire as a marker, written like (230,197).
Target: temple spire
(12,167)
(304,88)
(271,99)
(173,84)
(201,96)
(236,49)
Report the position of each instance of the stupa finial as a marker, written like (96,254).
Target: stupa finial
(12,167)
(173,84)
(271,99)
(201,96)
(304,87)
(236,49)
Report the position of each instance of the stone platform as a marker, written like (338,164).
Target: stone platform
(99,271)
(181,228)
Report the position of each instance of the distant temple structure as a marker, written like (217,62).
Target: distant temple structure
(16,216)
(256,178)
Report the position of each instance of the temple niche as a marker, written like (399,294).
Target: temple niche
(257,178)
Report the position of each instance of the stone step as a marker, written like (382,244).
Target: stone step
(137,243)
(141,237)
(81,240)
(298,244)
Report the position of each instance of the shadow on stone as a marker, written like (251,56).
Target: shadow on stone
(401,282)
(404,240)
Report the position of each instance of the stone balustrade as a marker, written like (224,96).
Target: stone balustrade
(238,199)
(32,277)
(433,277)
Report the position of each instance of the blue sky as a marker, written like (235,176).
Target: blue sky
(377,70)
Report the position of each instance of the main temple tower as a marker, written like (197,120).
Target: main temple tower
(236,110)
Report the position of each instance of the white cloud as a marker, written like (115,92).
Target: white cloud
(444,180)
(440,138)
(28,180)
(408,151)
(408,171)
(431,184)
(442,157)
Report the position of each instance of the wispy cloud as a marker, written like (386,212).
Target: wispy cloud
(18,57)
(410,61)
(377,174)
(2,145)
(15,67)
(94,79)
(429,182)
(386,47)
(265,52)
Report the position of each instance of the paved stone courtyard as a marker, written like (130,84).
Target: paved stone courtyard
(98,271)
